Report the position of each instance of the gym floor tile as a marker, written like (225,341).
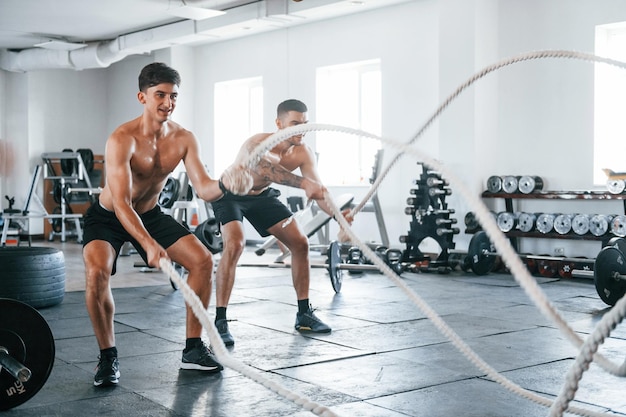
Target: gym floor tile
(384,358)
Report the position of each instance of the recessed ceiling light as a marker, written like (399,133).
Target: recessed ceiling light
(194,13)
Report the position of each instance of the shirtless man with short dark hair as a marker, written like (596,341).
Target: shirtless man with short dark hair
(269,216)
(140,155)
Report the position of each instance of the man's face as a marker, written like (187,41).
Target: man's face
(292,118)
(160,100)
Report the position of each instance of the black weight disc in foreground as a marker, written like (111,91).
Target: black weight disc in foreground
(334,260)
(28,339)
(618,242)
(480,253)
(610,263)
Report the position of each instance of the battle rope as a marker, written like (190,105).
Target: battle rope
(502,244)
(588,349)
(221,353)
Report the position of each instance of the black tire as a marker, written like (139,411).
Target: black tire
(32,275)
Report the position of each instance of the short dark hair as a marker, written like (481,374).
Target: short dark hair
(157,73)
(290,105)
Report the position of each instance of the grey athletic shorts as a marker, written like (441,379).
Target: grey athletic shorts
(262,211)
(102,224)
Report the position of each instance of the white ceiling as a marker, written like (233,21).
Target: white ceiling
(24,23)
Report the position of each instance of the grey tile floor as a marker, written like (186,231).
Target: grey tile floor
(383,358)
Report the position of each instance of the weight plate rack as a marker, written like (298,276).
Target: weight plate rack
(430,217)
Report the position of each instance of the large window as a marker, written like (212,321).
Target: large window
(348,95)
(238,115)
(610,102)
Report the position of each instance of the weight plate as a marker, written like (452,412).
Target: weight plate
(68,165)
(599,224)
(87,156)
(526,222)
(545,222)
(506,221)
(528,184)
(547,268)
(580,224)
(616,186)
(170,193)
(563,223)
(471,222)
(609,265)
(618,242)
(355,257)
(618,225)
(481,254)
(494,184)
(334,260)
(566,268)
(27,337)
(510,184)
(209,234)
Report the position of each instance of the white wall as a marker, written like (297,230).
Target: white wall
(530,118)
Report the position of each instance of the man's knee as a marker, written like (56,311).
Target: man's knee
(234,247)
(299,244)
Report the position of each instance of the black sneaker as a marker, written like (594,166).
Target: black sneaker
(309,322)
(222,329)
(200,358)
(107,372)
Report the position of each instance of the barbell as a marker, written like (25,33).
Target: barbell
(608,273)
(26,352)
(335,264)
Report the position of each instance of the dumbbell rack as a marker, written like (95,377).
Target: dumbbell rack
(430,217)
(557,196)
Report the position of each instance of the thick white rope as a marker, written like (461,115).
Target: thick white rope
(222,355)
(501,243)
(608,323)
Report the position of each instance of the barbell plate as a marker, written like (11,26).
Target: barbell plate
(618,242)
(170,193)
(334,260)
(494,184)
(87,156)
(510,184)
(580,223)
(526,222)
(208,233)
(618,225)
(610,262)
(547,266)
(615,186)
(28,339)
(68,165)
(480,253)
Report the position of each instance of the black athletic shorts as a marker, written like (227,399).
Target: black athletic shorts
(262,211)
(102,224)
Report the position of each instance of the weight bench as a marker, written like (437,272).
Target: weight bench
(317,221)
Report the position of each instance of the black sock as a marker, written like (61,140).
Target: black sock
(220,313)
(303,306)
(109,352)
(192,342)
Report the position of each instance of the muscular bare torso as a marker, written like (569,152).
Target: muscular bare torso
(138,164)
(287,154)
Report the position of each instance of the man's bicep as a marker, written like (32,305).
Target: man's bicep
(118,170)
